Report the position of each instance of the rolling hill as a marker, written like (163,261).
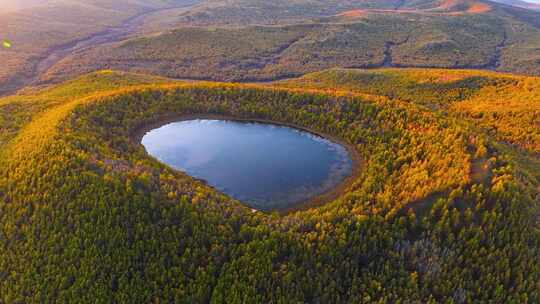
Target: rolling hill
(437,100)
(443,34)
(443,211)
(263,41)
(519,3)
(506,105)
(41,32)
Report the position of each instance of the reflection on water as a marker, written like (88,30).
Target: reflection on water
(263,165)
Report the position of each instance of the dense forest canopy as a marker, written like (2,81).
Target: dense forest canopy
(445,209)
(439,101)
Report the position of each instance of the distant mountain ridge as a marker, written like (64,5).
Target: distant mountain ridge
(258,11)
(245,40)
(519,3)
(230,44)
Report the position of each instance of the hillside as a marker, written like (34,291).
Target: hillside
(261,40)
(248,12)
(508,106)
(443,211)
(410,130)
(519,3)
(444,34)
(42,32)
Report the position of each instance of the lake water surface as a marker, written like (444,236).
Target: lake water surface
(265,166)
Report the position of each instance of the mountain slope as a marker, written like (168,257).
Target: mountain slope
(448,37)
(38,30)
(246,12)
(261,40)
(508,106)
(519,3)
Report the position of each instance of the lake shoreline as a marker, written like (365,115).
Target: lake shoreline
(314,202)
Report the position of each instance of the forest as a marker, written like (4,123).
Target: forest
(253,40)
(508,106)
(445,209)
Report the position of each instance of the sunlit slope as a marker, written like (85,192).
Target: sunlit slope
(440,212)
(506,105)
(17,111)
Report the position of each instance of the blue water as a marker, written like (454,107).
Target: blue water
(265,166)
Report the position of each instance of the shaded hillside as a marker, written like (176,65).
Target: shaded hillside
(440,212)
(255,40)
(493,40)
(40,30)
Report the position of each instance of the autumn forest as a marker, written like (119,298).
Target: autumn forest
(443,205)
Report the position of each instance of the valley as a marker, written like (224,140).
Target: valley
(113,34)
(34,60)
(447,35)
